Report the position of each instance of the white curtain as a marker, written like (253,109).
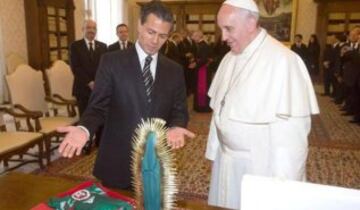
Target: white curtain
(107,14)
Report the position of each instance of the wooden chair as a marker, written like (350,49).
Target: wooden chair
(27,95)
(13,60)
(13,143)
(60,81)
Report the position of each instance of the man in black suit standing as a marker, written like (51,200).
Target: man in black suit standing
(201,72)
(85,56)
(123,43)
(131,85)
(188,51)
(300,48)
(171,48)
(84,60)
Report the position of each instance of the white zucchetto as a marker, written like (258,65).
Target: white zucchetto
(244,4)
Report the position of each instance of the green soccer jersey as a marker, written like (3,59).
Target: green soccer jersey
(90,198)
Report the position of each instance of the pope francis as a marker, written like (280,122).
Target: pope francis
(262,100)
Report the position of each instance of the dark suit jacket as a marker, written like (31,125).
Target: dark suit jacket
(313,57)
(119,101)
(116,46)
(187,47)
(350,68)
(203,54)
(171,50)
(302,52)
(83,67)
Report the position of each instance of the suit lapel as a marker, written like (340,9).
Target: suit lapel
(137,73)
(85,49)
(97,49)
(160,71)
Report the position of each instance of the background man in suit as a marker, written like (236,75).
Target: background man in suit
(188,49)
(123,43)
(84,60)
(328,66)
(300,48)
(131,85)
(171,48)
(201,72)
(85,56)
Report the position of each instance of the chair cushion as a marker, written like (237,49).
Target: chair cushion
(10,141)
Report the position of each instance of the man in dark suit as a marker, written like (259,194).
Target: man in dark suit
(300,48)
(123,43)
(171,48)
(351,72)
(85,56)
(188,51)
(201,72)
(84,60)
(330,57)
(134,84)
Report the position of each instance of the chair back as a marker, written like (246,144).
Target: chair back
(26,87)
(13,60)
(60,79)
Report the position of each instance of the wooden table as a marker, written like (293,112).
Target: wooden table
(19,191)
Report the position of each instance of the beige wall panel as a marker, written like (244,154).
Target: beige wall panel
(306,18)
(12,20)
(79,15)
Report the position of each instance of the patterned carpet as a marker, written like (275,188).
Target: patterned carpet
(334,156)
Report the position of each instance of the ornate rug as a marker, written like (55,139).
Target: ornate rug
(334,155)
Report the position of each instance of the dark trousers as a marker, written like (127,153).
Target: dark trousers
(129,188)
(327,81)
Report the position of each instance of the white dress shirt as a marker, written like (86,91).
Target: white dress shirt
(142,56)
(87,42)
(123,44)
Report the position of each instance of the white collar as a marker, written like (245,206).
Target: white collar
(142,54)
(88,41)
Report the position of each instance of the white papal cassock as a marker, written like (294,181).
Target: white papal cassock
(262,101)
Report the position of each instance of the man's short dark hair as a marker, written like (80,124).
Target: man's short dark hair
(158,9)
(341,37)
(121,25)
(299,36)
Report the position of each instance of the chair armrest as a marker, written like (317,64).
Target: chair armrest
(54,101)
(25,114)
(70,104)
(28,115)
(34,114)
(68,101)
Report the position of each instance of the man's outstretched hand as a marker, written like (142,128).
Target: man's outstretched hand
(176,137)
(73,142)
